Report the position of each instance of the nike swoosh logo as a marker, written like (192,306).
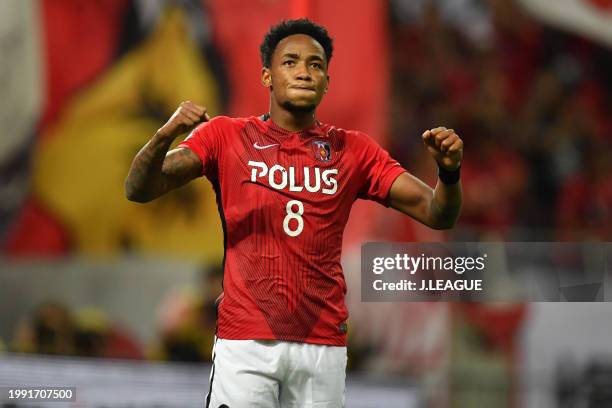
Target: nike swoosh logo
(257,146)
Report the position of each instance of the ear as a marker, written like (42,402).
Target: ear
(266,77)
(326,85)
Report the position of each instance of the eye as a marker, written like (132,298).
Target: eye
(289,63)
(316,65)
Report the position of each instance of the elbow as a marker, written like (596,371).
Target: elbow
(444,223)
(137,199)
(440,226)
(135,196)
(444,218)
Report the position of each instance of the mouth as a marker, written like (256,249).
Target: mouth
(303,88)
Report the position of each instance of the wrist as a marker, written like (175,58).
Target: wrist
(449,177)
(164,135)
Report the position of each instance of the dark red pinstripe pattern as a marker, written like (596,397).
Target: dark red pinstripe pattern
(277,286)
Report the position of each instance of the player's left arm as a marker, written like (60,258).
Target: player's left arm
(437,208)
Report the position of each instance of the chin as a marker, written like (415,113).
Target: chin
(300,106)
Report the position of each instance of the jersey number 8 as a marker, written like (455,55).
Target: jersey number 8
(295,216)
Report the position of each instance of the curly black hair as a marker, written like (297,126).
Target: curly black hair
(290,27)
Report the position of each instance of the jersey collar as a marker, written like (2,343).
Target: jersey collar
(315,130)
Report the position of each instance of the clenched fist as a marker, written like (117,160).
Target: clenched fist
(445,146)
(186,117)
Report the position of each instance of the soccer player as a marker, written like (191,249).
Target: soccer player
(285,184)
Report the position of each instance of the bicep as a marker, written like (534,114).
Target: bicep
(180,166)
(412,197)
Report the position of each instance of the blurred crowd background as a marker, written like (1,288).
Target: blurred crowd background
(86,273)
(533,104)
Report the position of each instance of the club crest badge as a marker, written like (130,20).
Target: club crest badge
(322,150)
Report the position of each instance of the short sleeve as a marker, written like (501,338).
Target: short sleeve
(204,141)
(378,169)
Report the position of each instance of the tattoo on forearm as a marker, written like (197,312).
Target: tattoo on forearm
(154,172)
(146,169)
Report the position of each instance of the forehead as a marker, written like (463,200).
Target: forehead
(300,44)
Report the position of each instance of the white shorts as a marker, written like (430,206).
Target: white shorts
(276,374)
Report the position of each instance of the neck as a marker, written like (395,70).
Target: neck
(291,121)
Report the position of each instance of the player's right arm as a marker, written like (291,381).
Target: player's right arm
(155,170)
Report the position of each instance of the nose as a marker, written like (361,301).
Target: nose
(302,72)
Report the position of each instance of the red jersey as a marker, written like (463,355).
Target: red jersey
(284,199)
